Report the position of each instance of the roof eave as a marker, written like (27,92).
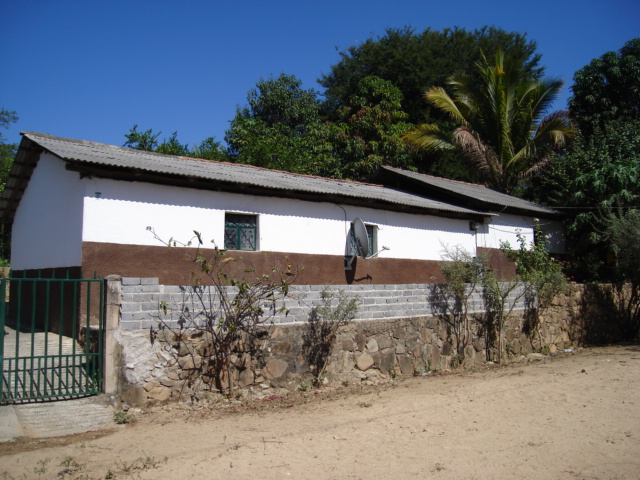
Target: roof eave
(136,175)
(451,196)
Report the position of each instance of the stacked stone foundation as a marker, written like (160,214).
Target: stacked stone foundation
(162,362)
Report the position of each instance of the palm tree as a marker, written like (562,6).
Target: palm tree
(501,129)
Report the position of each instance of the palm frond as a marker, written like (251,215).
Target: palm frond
(429,138)
(438,97)
(478,154)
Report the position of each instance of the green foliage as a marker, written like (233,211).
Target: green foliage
(209,148)
(501,127)
(368,131)
(304,386)
(224,317)
(172,146)
(607,89)
(450,300)
(7,150)
(281,129)
(595,178)
(624,232)
(147,140)
(282,101)
(255,142)
(121,417)
(276,129)
(335,311)
(7,155)
(598,176)
(7,117)
(499,299)
(414,61)
(541,274)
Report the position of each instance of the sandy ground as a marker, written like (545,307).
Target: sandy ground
(574,416)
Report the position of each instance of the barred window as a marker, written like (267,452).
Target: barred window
(240,231)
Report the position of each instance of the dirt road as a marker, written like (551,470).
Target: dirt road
(568,417)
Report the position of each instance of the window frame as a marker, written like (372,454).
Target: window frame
(240,227)
(372,235)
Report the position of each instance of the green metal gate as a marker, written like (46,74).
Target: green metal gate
(51,335)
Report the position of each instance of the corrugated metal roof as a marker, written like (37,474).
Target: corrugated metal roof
(208,170)
(474,191)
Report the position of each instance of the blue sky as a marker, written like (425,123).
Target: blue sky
(91,70)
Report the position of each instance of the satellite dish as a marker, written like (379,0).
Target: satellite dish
(357,243)
(361,239)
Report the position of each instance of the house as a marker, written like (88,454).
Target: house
(508,217)
(85,207)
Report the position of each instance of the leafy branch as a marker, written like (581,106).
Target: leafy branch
(224,309)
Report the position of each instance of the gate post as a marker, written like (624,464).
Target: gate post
(112,357)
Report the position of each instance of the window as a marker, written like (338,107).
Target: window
(240,231)
(373,241)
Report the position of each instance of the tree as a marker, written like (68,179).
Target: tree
(369,131)
(283,101)
(7,154)
(172,146)
(273,129)
(607,89)
(209,148)
(541,274)
(416,61)
(7,150)
(224,308)
(147,140)
(501,128)
(255,142)
(336,310)
(451,300)
(598,175)
(595,178)
(623,230)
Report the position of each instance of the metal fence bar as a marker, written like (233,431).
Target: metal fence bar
(37,368)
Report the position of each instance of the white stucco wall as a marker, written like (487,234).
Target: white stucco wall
(505,228)
(47,230)
(124,210)
(59,211)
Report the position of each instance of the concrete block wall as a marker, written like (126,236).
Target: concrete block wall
(143,298)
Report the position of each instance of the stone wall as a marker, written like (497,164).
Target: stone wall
(386,340)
